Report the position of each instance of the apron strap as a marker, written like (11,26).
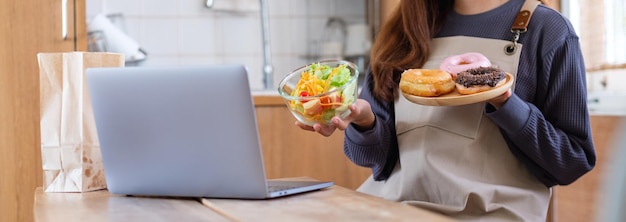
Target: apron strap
(520,25)
(523,17)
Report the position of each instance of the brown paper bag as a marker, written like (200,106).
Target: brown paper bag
(70,150)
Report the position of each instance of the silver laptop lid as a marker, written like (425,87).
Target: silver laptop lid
(178,131)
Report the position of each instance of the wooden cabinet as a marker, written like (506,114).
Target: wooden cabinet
(581,200)
(28,27)
(289,151)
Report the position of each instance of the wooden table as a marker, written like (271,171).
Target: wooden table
(331,204)
(103,206)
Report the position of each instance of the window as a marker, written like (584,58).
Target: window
(616,31)
(601,26)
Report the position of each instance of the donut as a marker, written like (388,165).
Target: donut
(459,63)
(479,80)
(426,82)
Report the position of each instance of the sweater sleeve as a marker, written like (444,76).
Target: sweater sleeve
(552,135)
(376,148)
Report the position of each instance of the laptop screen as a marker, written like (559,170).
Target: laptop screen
(177,131)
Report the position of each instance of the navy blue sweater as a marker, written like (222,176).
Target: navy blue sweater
(545,123)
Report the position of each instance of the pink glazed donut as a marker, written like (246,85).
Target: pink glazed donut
(459,63)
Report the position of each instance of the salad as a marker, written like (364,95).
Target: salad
(323,92)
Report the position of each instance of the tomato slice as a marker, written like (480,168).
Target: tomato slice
(304,94)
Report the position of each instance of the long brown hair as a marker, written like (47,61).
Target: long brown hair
(404,42)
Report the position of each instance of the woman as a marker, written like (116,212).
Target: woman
(488,161)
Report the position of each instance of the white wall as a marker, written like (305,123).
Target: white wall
(185,32)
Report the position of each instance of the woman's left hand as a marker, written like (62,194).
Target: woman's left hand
(499,101)
(360,114)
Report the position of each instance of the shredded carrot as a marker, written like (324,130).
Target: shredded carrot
(331,104)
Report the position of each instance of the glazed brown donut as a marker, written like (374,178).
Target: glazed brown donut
(479,79)
(426,82)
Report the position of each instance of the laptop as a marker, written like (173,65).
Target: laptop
(183,131)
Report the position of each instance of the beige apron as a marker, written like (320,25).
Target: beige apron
(454,160)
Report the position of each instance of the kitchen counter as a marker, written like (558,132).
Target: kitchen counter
(264,92)
(606,103)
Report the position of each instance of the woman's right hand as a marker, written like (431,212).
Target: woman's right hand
(360,114)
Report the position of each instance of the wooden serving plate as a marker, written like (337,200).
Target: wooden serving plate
(454,98)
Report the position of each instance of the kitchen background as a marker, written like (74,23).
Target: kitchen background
(187,32)
(601,26)
(182,32)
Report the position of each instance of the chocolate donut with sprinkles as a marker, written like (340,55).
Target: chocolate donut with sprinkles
(479,79)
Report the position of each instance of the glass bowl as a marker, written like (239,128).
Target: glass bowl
(317,92)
